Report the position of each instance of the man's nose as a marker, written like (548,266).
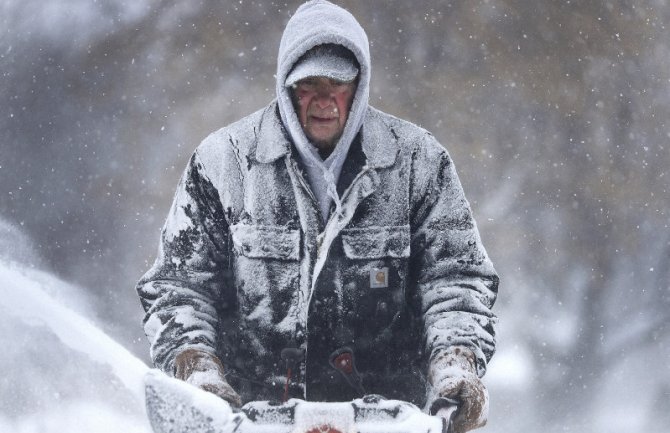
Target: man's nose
(323,99)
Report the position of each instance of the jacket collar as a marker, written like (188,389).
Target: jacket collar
(379,140)
(272,140)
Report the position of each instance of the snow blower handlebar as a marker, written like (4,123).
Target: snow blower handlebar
(446,409)
(174,406)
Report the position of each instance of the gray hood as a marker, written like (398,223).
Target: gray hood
(315,23)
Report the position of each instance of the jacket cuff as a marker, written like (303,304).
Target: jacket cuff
(164,359)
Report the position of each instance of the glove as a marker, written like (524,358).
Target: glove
(453,376)
(205,371)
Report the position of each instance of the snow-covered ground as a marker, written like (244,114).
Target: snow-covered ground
(60,372)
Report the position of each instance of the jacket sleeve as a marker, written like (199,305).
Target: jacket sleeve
(181,293)
(456,284)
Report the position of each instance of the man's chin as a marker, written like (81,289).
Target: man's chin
(324,143)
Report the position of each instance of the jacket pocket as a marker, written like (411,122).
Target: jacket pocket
(266,242)
(376,242)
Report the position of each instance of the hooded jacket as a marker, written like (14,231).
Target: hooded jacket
(336,26)
(248,270)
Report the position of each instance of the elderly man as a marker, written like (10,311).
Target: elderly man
(322,249)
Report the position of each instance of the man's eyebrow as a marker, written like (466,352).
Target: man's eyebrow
(307,80)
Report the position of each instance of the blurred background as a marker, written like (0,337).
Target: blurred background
(557,114)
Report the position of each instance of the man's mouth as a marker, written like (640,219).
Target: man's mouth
(323,119)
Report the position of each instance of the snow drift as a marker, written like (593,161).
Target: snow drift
(60,372)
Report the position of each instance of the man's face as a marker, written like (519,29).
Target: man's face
(323,106)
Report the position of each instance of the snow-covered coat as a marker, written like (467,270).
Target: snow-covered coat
(247,267)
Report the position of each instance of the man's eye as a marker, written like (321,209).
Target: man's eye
(340,86)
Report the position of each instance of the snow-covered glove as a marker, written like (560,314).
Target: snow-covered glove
(453,376)
(205,371)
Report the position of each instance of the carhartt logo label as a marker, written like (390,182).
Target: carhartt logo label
(379,278)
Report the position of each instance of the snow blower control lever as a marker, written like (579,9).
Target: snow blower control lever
(343,361)
(292,357)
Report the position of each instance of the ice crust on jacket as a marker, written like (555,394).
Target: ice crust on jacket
(315,23)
